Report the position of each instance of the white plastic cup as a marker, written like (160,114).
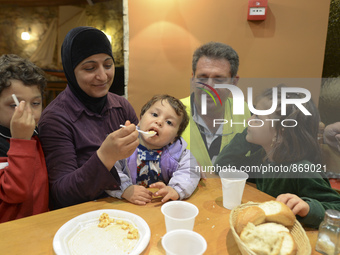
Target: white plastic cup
(233,182)
(183,242)
(179,215)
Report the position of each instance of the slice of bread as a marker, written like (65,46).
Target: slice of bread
(278,212)
(288,245)
(269,239)
(253,214)
(263,241)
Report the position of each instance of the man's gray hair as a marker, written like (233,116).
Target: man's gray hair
(217,50)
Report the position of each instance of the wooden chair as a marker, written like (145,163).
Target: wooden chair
(52,90)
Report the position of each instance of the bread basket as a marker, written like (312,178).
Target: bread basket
(297,231)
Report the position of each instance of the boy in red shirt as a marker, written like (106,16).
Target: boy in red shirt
(23,174)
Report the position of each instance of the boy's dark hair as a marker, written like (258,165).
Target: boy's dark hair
(295,143)
(13,67)
(176,104)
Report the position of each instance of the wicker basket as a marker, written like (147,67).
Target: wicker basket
(297,231)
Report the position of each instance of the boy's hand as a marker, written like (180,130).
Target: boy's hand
(295,203)
(165,191)
(118,145)
(137,194)
(22,123)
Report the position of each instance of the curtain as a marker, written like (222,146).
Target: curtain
(43,55)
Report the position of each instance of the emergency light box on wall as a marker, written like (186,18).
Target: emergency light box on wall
(257,9)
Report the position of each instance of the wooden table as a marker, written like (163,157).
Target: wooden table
(34,235)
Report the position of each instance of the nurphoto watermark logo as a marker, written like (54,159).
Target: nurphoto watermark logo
(238,104)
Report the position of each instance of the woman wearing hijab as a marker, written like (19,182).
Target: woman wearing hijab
(79,130)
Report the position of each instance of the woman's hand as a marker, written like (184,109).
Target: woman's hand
(137,194)
(295,203)
(165,191)
(118,145)
(22,123)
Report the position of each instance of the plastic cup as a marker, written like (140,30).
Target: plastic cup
(183,242)
(179,215)
(233,182)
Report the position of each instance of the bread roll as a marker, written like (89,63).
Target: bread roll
(263,241)
(253,214)
(278,212)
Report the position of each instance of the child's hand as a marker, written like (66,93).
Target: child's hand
(137,194)
(165,191)
(22,123)
(295,203)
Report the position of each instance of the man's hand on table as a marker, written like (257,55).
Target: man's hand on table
(331,135)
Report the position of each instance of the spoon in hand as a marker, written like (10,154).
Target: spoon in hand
(148,134)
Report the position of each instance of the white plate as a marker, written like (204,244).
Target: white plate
(73,226)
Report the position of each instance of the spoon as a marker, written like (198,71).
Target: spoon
(148,134)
